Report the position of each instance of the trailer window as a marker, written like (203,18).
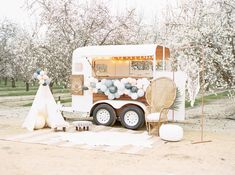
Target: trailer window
(78,67)
(101,69)
(141,65)
(141,68)
(119,69)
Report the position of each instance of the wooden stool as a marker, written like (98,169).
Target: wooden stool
(82,125)
(60,127)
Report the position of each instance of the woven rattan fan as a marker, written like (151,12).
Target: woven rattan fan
(160,96)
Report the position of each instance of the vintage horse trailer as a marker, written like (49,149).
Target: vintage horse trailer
(116,62)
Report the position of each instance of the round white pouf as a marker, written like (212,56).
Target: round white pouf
(40,122)
(170,132)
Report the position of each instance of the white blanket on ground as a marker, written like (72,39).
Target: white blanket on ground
(107,138)
(43,106)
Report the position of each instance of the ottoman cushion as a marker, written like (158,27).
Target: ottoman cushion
(153,117)
(171,132)
(82,123)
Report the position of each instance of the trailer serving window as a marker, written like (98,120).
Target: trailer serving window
(119,68)
(131,66)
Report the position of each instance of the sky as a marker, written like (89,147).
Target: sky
(16,12)
(13,10)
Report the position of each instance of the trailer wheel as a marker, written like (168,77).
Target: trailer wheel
(132,117)
(104,114)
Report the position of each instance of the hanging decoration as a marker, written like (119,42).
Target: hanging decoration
(192,70)
(42,77)
(193,86)
(132,87)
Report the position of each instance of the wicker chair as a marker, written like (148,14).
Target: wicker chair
(160,96)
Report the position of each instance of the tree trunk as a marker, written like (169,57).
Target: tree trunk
(27,86)
(51,85)
(66,85)
(13,83)
(5,81)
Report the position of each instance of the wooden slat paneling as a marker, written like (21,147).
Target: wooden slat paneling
(98,97)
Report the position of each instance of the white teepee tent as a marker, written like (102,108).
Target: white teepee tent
(44,111)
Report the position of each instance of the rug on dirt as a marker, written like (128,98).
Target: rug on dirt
(101,138)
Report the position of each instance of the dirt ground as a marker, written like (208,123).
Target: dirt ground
(170,158)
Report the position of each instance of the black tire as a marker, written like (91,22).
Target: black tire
(138,123)
(110,110)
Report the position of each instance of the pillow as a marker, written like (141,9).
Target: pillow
(171,132)
(153,117)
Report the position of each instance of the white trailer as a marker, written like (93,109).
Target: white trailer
(117,62)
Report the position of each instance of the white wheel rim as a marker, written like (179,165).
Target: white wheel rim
(103,116)
(131,118)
